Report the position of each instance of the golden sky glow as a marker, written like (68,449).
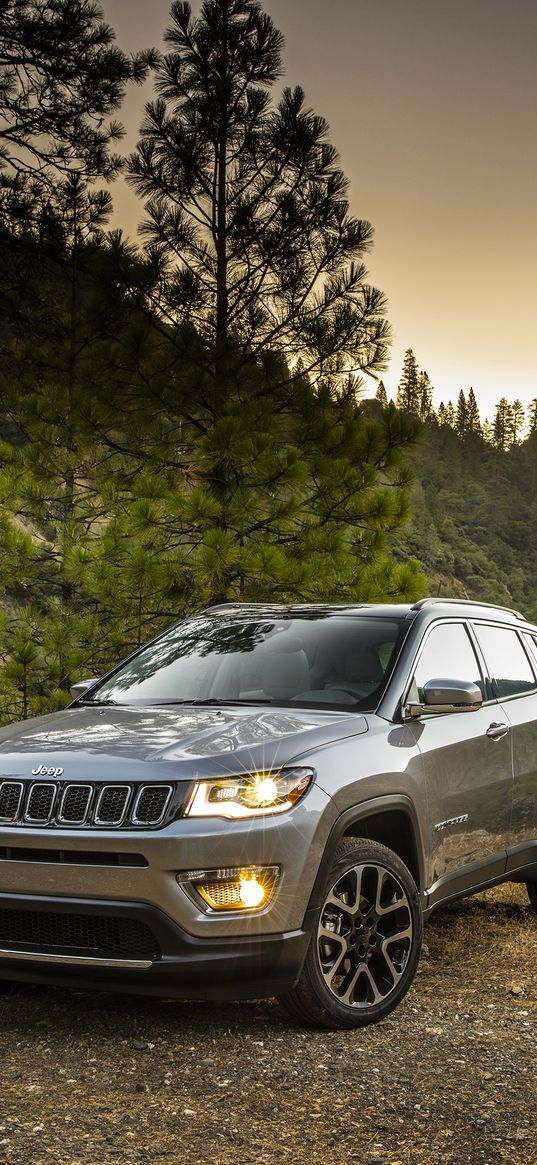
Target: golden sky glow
(432,105)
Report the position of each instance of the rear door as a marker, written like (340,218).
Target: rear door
(507,653)
(468,769)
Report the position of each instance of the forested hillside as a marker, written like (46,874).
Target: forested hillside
(474,501)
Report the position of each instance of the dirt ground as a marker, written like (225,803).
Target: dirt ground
(447,1079)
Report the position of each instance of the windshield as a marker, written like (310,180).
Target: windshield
(328,661)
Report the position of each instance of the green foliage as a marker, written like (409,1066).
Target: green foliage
(183,425)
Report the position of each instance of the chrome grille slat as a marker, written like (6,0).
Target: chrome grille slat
(75,804)
(40,803)
(10,800)
(112,804)
(151,804)
(84,804)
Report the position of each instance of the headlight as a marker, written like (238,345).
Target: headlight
(250,795)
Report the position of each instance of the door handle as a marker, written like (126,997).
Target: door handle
(497,731)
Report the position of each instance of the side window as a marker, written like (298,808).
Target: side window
(447,655)
(508,664)
(531,644)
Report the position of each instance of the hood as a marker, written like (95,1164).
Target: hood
(192,739)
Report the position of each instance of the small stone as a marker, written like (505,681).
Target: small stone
(425,950)
(517,990)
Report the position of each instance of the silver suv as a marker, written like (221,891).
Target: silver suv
(269,801)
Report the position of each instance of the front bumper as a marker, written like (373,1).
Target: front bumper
(47,875)
(176,963)
(142,867)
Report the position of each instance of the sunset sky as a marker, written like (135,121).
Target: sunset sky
(432,105)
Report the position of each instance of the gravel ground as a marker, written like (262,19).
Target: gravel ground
(447,1078)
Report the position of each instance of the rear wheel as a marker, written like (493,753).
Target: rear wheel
(365,946)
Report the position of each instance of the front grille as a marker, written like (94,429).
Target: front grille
(87,803)
(40,802)
(10,799)
(89,935)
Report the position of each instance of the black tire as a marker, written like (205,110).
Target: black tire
(531,887)
(365,943)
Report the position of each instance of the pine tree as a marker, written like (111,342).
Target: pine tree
(281,487)
(59,506)
(408,392)
(61,76)
(532,417)
(425,397)
(473,423)
(381,395)
(449,415)
(502,427)
(517,422)
(460,416)
(183,425)
(247,205)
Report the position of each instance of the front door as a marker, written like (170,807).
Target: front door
(468,771)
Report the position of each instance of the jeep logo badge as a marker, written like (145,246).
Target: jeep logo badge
(43,771)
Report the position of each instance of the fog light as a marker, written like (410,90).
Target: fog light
(248,888)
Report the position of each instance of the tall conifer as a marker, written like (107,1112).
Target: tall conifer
(532,417)
(461,426)
(473,423)
(249,224)
(502,426)
(425,397)
(408,392)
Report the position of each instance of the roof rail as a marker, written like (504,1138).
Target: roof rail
(467,603)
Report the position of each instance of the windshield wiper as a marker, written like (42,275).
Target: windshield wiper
(213,702)
(101,703)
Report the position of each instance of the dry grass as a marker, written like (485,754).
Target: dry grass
(448,1079)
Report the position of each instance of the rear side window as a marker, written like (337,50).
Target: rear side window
(447,654)
(531,644)
(508,665)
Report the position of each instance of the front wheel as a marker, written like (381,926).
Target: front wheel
(366,942)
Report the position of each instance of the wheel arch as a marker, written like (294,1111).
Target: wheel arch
(392,821)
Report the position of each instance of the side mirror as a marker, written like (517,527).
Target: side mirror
(446,696)
(82,687)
